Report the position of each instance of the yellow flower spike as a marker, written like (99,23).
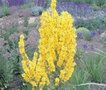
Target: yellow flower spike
(57,48)
(60,37)
(22,47)
(33,88)
(53,4)
(57,81)
(34,60)
(53,7)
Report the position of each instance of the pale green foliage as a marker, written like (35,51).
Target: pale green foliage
(5,72)
(37,10)
(1,14)
(5,10)
(103,37)
(85,33)
(26,22)
(90,68)
(27,5)
(94,64)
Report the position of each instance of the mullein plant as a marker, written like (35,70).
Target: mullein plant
(54,62)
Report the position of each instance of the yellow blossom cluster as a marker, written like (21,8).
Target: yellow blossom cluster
(57,46)
(58,42)
(34,72)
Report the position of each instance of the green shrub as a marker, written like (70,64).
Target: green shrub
(103,37)
(79,76)
(25,21)
(11,47)
(83,33)
(100,3)
(1,14)
(93,24)
(10,30)
(89,1)
(90,67)
(94,64)
(6,72)
(26,5)
(36,11)
(47,3)
(5,10)
(8,69)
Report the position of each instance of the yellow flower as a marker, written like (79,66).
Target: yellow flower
(32,68)
(57,48)
(56,81)
(21,47)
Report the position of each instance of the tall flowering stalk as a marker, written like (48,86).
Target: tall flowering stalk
(57,44)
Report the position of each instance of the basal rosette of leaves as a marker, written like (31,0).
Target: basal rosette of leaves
(54,62)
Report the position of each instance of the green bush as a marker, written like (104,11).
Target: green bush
(93,24)
(79,76)
(6,72)
(99,3)
(90,67)
(94,64)
(48,3)
(26,22)
(5,10)
(36,11)
(1,14)
(10,30)
(26,5)
(83,33)
(11,47)
(103,37)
